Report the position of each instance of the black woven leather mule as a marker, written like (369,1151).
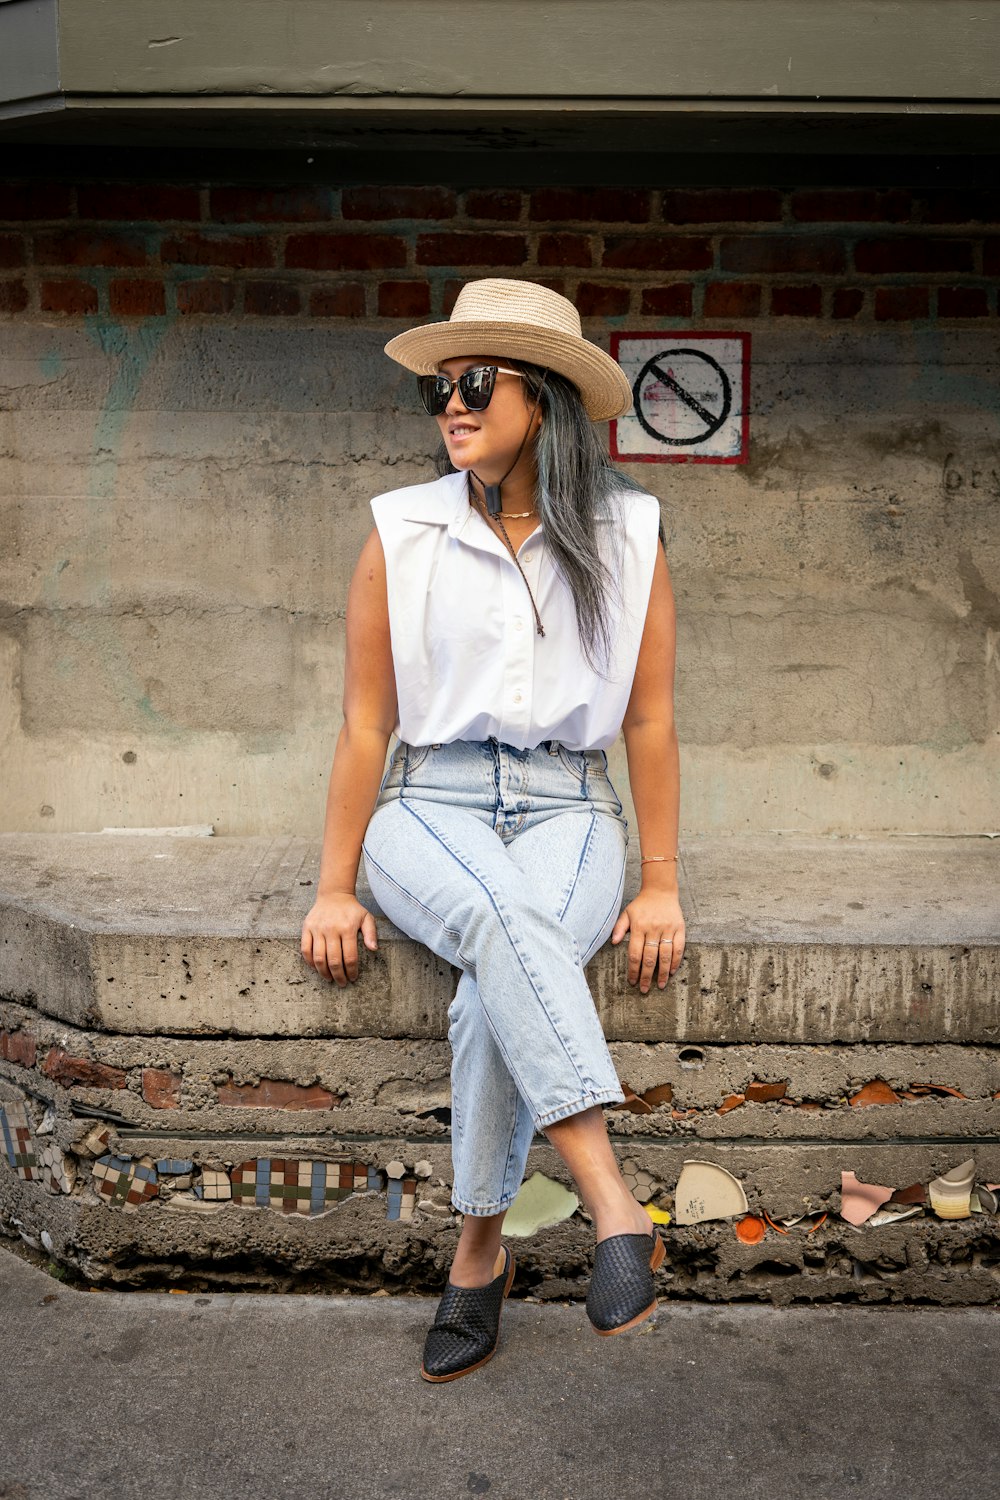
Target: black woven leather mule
(466,1328)
(622,1292)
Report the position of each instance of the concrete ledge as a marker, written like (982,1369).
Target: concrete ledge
(790,939)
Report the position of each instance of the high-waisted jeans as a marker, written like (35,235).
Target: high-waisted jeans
(509,864)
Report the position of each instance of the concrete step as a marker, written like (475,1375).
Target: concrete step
(789,939)
(162,1043)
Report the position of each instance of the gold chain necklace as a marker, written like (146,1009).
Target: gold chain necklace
(539,627)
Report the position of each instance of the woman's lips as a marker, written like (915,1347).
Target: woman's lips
(461,434)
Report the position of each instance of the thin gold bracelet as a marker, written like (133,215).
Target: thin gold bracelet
(647,857)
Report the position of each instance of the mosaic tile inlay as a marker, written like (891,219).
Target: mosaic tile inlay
(18,1142)
(125,1183)
(299,1187)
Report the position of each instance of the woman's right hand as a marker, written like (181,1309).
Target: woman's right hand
(330,935)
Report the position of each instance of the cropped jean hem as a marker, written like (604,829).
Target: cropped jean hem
(585,1101)
(483,1211)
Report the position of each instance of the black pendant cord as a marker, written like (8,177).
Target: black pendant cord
(493,504)
(492,491)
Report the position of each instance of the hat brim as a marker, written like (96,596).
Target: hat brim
(603,385)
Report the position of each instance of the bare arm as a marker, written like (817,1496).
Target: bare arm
(654,777)
(330,930)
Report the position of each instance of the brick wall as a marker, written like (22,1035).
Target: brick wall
(864,255)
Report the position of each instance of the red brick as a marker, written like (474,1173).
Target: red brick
(344,299)
(847,301)
(271,299)
(913,252)
(238,252)
(151,202)
(35,200)
(672,301)
(960,206)
(69,296)
(565,250)
(81,246)
(732,299)
(901,302)
(19,1047)
(493,203)
(720,205)
(962,302)
(345,252)
(458,249)
(398,203)
(62,1067)
(136,299)
(207,296)
(277,1093)
(270,205)
(762,1093)
(780,252)
(851,205)
(161,1088)
(991,257)
(404,299)
(13,296)
(796,301)
(658,252)
(601,205)
(11,250)
(595,300)
(449,295)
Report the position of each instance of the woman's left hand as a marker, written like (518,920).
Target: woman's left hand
(655,923)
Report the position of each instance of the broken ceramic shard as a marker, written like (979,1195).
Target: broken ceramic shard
(751,1230)
(539,1204)
(707,1191)
(859,1200)
(951,1193)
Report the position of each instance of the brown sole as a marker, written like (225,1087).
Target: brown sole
(655,1260)
(457,1374)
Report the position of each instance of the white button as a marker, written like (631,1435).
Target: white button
(519,623)
(517,697)
(527,557)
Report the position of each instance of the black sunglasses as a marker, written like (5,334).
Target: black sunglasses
(475,387)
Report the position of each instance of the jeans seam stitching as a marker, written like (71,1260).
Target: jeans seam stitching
(513,947)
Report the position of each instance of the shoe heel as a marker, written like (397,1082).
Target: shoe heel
(510,1273)
(659,1251)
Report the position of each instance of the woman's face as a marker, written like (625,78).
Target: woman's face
(486,441)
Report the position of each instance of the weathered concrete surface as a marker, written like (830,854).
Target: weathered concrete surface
(184,504)
(789,939)
(704,1401)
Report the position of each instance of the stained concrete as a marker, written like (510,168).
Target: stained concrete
(321,1396)
(185,502)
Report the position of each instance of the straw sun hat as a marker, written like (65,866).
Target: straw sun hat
(519,320)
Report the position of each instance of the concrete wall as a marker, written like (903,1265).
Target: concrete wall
(195,411)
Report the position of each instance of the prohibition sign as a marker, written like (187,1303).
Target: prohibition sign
(708,422)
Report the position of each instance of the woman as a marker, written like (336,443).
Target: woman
(505,621)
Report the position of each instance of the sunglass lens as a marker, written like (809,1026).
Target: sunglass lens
(435,392)
(476,386)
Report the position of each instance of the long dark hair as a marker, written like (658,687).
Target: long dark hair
(577,483)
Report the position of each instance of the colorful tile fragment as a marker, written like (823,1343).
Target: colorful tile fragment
(15,1129)
(125,1183)
(299,1187)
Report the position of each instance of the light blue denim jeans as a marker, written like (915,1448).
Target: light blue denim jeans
(510,865)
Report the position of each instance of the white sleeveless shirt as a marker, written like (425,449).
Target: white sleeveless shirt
(468,662)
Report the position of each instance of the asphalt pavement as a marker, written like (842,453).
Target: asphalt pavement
(114,1395)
